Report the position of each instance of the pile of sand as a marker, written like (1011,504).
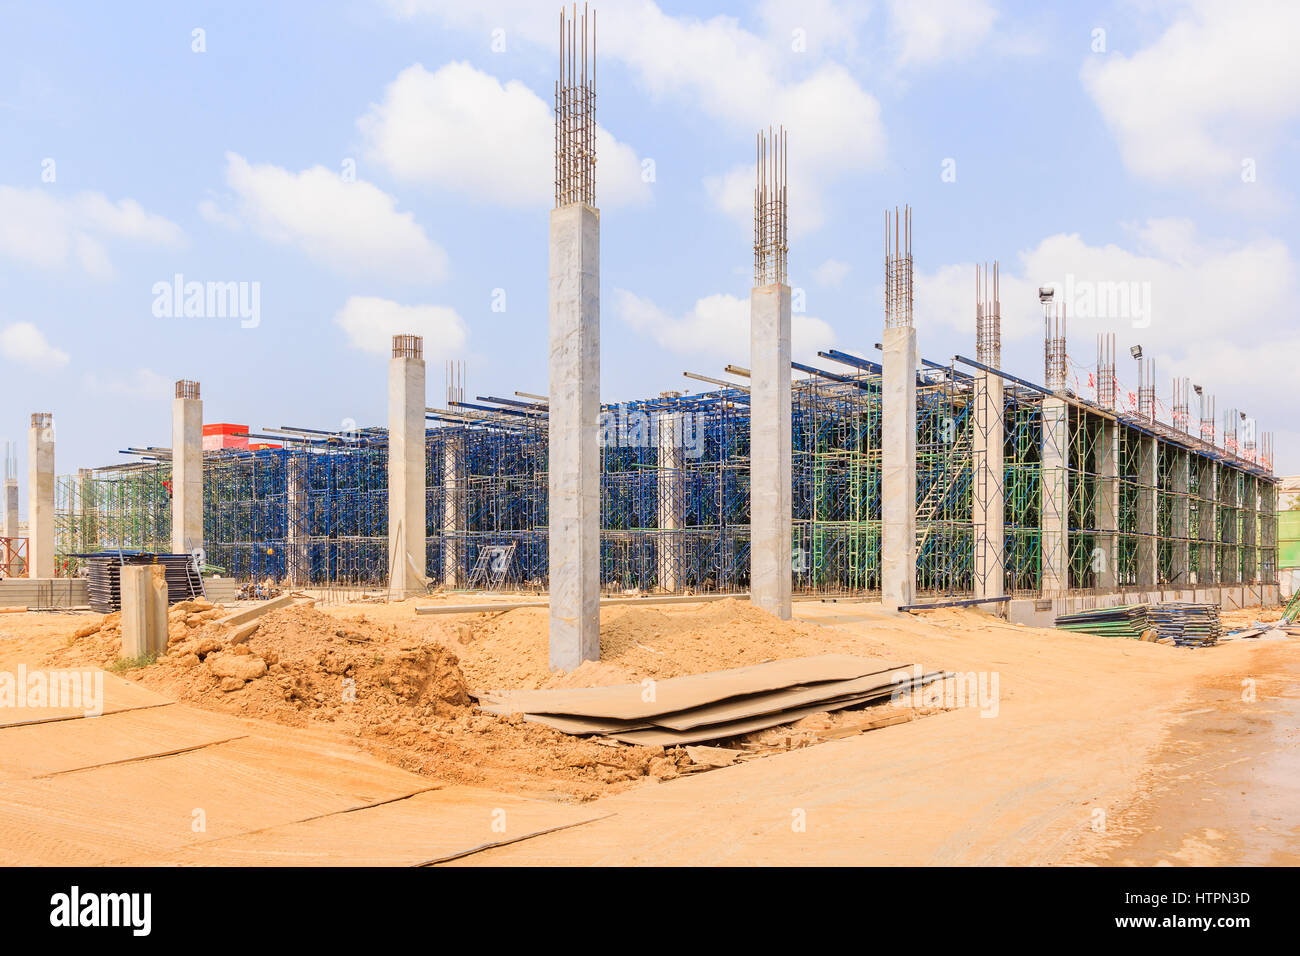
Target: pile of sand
(395,694)
(510,650)
(398,684)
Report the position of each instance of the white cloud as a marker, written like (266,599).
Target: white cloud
(142,383)
(937,30)
(463,130)
(717,325)
(1213,90)
(832,272)
(24,343)
(742,80)
(1218,312)
(42,229)
(370,324)
(350,226)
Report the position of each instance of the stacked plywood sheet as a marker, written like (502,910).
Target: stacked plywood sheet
(712,706)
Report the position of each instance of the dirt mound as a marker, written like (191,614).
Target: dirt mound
(510,650)
(394,692)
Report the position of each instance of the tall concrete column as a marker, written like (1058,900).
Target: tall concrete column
(770,485)
(407,559)
(1180,520)
(40,496)
(297,558)
(988,516)
(187,469)
(573,421)
(1107,562)
(1207,574)
(11,508)
(1055,497)
(1148,558)
(453,511)
(898,468)
(670,488)
(1250,529)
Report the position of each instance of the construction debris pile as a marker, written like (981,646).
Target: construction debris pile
(1187,625)
(716,705)
(1285,625)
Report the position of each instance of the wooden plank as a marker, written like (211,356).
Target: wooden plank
(424,829)
(753,705)
(44,749)
(639,702)
(116,694)
(661,737)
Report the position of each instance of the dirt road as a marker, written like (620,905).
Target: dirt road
(1081,750)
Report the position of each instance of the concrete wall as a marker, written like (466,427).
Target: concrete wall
(44,592)
(573,423)
(769,449)
(1043,612)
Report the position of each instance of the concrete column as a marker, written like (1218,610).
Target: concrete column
(1250,529)
(144,610)
(1108,506)
(11,508)
(8,552)
(1055,497)
(770,485)
(573,422)
(40,496)
(1180,520)
(453,511)
(1208,574)
(898,468)
(989,498)
(407,560)
(297,558)
(1147,552)
(187,469)
(670,488)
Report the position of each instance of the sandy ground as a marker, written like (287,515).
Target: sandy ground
(1081,749)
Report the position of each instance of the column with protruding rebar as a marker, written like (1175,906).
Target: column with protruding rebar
(574,401)
(770,488)
(898,432)
(407,561)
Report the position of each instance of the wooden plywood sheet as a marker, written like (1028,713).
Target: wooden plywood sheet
(801,695)
(628,701)
(662,737)
(42,749)
(117,695)
(423,829)
(123,812)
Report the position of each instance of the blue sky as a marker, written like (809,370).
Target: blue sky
(385,164)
